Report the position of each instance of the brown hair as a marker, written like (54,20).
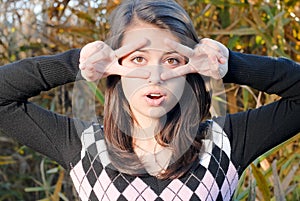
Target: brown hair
(181,133)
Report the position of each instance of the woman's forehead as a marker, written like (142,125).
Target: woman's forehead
(155,37)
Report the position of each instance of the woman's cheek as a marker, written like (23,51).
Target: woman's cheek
(176,86)
(131,86)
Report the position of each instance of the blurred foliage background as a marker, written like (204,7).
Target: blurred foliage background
(38,27)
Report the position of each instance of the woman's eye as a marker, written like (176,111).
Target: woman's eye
(138,60)
(172,61)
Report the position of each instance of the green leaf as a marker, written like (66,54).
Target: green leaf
(99,95)
(34,189)
(232,42)
(225,17)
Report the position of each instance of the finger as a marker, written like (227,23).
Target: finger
(127,49)
(211,52)
(217,46)
(209,64)
(128,72)
(222,60)
(91,75)
(100,57)
(182,49)
(90,49)
(177,72)
(210,42)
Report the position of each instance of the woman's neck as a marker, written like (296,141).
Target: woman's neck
(144,133)
(145,127)
(153,156)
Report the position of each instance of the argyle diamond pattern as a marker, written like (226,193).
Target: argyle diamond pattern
(213,177)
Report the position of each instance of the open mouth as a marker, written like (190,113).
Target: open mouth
(154,96)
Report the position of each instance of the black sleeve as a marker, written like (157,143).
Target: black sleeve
(44,131)
(256,131)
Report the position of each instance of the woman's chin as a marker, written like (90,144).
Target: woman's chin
(157,112)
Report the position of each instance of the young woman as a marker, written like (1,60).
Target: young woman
(156,142)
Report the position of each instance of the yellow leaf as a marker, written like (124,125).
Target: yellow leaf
(7,162)
(261,182)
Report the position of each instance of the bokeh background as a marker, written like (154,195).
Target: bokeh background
(41,27)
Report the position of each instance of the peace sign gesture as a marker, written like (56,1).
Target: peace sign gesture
(209,58)
(98,60)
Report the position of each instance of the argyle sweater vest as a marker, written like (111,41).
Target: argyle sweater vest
(213,177)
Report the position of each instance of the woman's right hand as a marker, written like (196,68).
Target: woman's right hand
(98,60)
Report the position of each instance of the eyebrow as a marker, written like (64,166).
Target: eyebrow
(147,50)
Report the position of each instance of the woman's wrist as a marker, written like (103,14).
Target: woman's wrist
(61,68)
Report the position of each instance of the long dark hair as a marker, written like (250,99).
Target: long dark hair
(184,128)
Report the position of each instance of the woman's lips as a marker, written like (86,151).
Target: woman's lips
(154,98)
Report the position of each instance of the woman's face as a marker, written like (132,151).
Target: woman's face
(152,97)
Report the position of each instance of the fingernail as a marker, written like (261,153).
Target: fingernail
(81,66)
(163,76)
(223,60)
(145,41)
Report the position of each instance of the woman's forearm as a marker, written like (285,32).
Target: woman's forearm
(272,75)
(27,78)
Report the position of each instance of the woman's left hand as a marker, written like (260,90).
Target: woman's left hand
(208,58)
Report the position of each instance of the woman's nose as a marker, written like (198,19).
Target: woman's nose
(155,73)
